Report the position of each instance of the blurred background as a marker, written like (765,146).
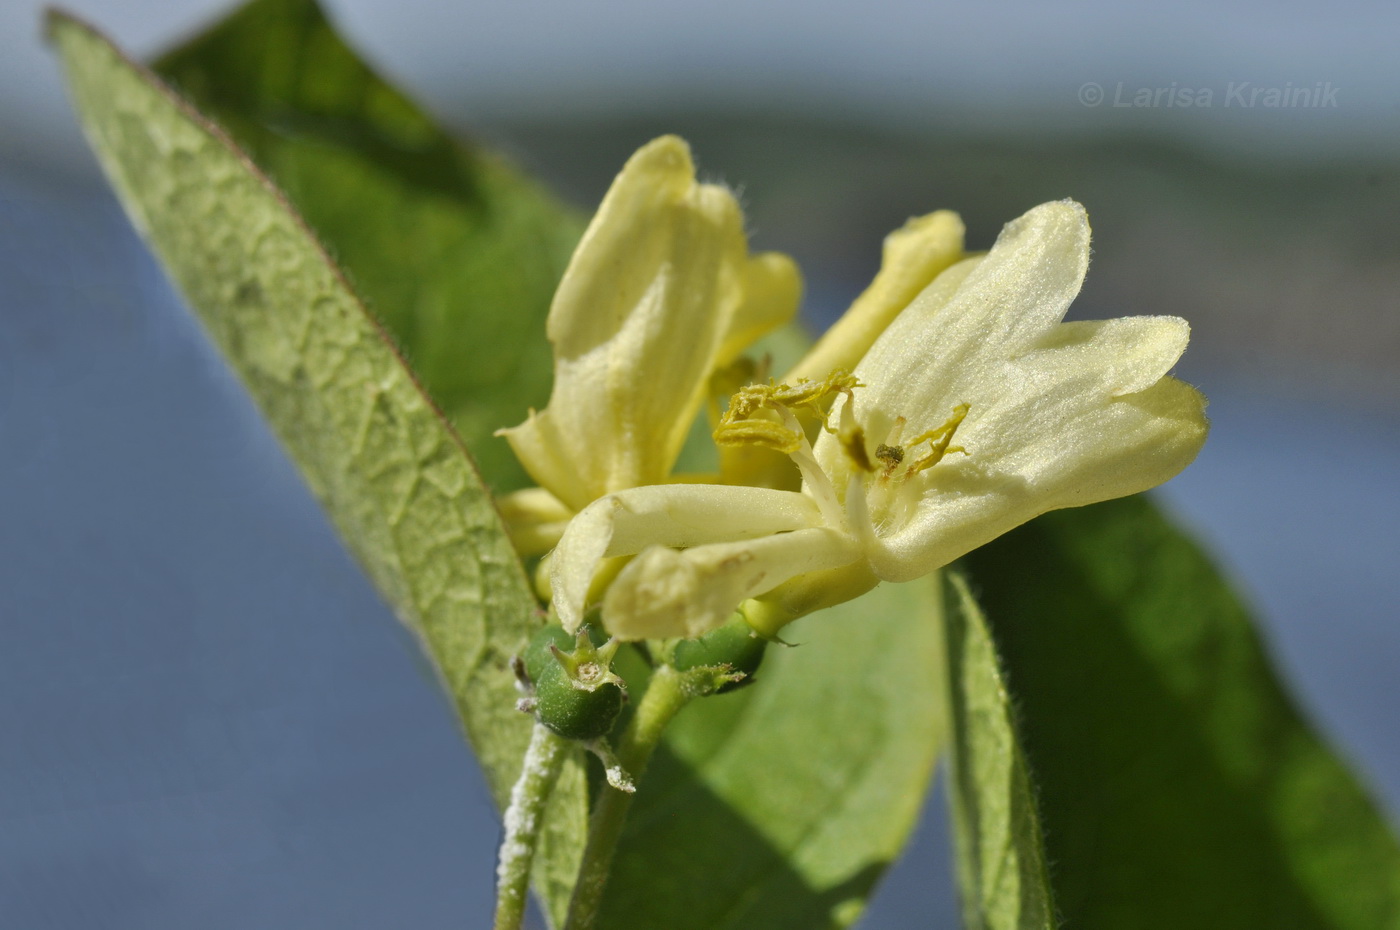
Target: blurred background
(207,718)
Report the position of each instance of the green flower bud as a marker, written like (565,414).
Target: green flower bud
(734,645)
(576,694)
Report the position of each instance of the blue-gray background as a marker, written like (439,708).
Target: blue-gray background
(206,716)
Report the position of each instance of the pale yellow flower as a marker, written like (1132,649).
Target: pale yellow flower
(660,293)
(974,411)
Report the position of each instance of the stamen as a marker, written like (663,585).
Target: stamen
(748,420)
(758,432)
(725,381)
(858,512)
(938,440)
(852,436)
(813,478)
(897,433)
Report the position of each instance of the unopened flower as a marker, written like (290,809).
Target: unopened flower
(661,292)
(974,411)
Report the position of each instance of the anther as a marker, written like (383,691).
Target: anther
(745,422)
(890,455)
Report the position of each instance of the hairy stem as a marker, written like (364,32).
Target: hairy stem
(667,693)
(540,770)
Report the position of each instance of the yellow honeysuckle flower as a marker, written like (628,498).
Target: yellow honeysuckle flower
(660,292)
(974,411)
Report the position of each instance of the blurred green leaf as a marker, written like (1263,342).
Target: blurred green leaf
(392,474)
(780,805)
(1002,879)
(452,249)
(1178,786)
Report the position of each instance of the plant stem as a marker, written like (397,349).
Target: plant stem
(667,693)
(538,772)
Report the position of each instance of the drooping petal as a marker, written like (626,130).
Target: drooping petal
(665,593)
(637,324)
(914,255)
(673,515)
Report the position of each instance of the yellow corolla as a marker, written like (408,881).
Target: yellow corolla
(973,411)
(660,293)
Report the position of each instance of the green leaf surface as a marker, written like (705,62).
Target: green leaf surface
(779,805)
(1178,785)
(1002,880)
(394,477)
(454,251)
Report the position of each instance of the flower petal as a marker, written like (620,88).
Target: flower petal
(1058,414)
(1126,354)
(1121,446)
(772,291)
(879,408)
(924,362)
(534,518)
(913,256)
(636,324)
(665,593)
(1039,405)
(805,594)
(666,515)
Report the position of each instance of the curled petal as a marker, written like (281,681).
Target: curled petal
(673,515)
(637,324)
(665,593)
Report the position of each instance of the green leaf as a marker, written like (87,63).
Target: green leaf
(1002,879)
(781,804)
(390,471)
(454,251)
(1178,785)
